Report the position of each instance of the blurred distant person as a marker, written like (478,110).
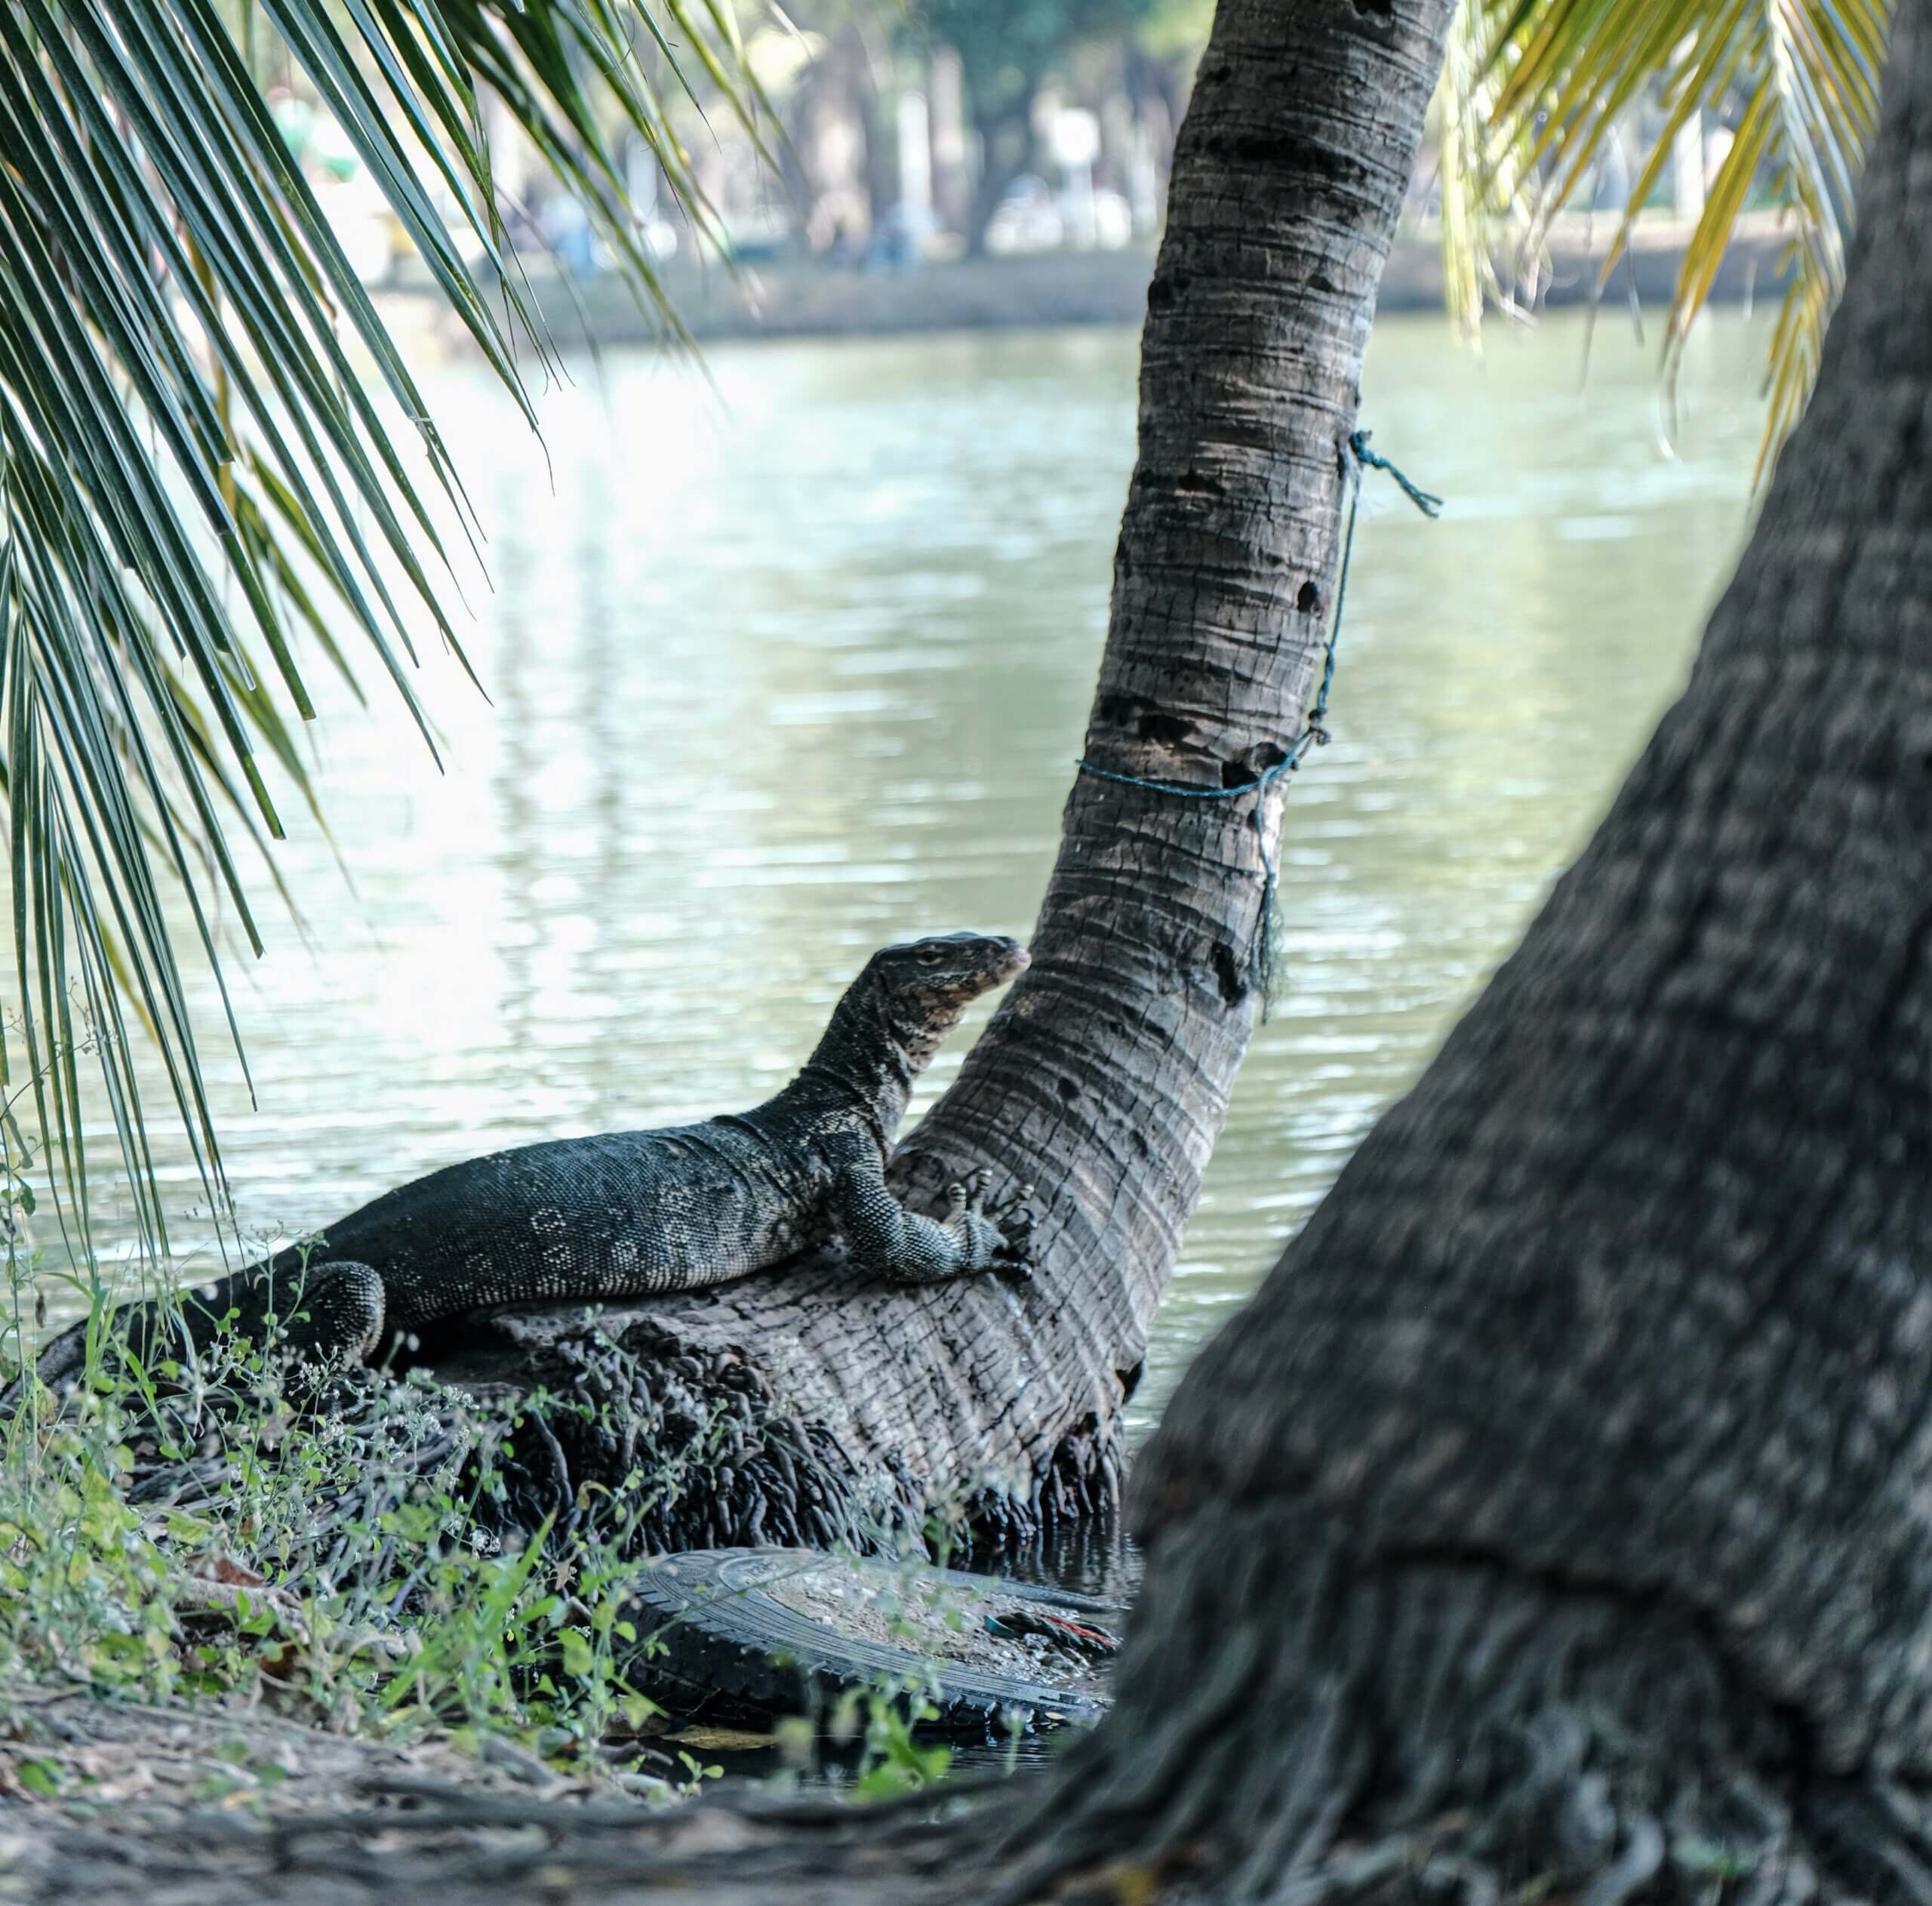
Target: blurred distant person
(845,250)
(566,228)
(896,239)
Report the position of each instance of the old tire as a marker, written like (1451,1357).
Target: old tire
(722,1644)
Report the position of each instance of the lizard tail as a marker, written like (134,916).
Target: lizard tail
(323,1314)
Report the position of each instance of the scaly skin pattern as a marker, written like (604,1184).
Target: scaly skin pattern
(634,1213)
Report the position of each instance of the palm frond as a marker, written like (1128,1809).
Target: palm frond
(1797,81)
(1482,176)
(199,483)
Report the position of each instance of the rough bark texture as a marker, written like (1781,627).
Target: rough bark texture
(1103,1080)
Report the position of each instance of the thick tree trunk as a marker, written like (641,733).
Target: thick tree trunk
(1103,1079)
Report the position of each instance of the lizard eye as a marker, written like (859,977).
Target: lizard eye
(929,955)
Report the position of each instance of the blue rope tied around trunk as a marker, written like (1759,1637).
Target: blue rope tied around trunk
(1314,732)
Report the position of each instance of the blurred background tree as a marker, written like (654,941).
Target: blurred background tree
(1005,50)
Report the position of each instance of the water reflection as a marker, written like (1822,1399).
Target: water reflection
(787,671)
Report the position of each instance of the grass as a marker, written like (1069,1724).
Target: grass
(356,1570)
(390,1559)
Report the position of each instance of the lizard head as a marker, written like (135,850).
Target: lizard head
(925,985)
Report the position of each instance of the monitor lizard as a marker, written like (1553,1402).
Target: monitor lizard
(633,1214)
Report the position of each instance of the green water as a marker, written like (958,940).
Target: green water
(785,668)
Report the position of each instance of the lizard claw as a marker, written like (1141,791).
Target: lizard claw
(1017,1210)
(1017,1220)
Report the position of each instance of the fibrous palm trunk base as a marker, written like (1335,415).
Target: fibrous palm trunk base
(597,1446)
(691,1436)
(1309,1726)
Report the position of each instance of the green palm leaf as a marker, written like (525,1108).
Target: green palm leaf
(198,488)
(1798,80)
(1483,172)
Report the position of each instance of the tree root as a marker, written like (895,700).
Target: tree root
(356,1820)
(633,1380)
(1306,1728)
(674,1452)
(1611,1760)
(1309,1725)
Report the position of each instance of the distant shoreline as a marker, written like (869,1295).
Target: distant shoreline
(802,298)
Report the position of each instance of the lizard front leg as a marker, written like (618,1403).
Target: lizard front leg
(886,1239)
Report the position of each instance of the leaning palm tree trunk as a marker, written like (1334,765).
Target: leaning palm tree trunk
(1103,1080)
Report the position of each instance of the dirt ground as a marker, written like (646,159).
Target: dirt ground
(117,1804)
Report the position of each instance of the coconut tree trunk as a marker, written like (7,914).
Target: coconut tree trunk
(1103,1079)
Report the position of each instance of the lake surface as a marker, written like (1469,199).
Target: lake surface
(785,667)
